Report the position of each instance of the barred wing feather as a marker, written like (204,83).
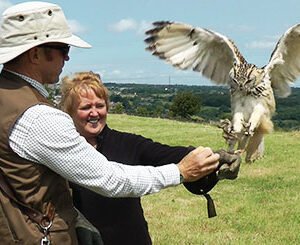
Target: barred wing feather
(284,65)
(186,47)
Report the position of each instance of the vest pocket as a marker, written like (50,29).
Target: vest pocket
(6,233)
(16,226)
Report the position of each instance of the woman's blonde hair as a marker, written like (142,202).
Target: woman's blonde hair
(72,86)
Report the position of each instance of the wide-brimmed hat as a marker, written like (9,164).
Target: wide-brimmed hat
(26,25)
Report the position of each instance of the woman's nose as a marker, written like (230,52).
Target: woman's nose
(93,112)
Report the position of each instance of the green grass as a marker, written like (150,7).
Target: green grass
(261,207)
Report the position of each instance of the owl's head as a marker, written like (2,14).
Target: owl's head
(245,76)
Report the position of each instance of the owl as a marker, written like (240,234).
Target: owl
(252,88)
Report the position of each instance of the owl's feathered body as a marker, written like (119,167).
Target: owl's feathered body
(217,58)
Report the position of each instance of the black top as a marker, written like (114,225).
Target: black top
(121,220)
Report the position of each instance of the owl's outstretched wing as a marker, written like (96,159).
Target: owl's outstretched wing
(187,47)
(284,65)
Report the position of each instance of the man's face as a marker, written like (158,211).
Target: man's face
(55,55)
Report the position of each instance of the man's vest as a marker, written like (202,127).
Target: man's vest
(33,184)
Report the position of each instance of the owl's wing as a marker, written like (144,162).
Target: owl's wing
(187,47)
(284,65)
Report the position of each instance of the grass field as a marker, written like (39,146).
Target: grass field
(261,207)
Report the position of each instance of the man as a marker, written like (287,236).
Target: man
(39,146)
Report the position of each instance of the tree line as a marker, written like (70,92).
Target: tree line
(191,103)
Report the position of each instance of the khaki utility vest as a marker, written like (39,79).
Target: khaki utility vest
(33,184)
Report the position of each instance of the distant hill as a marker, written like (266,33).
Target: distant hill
(155,100)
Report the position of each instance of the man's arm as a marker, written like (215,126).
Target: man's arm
(135,149)
(52,140)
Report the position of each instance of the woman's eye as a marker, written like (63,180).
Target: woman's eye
(84,108)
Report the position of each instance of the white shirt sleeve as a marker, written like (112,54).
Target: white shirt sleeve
(48,136)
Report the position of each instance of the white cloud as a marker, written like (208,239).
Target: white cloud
(4,4)
(261,44)
(124,25)
(143,26)
(130,25)
(140,72)
(267,42)
(101,72)
(116,72)
(242,28)
(75,26)
(273,37)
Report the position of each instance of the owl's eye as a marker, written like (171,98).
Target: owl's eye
(235,80)
(250,80)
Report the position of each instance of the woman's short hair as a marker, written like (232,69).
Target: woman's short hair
(78,83)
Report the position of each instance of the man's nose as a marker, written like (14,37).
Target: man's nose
(67,57)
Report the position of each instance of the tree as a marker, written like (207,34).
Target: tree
(142,111)
(54,93)
(117,108)
(185,105)
(51,92)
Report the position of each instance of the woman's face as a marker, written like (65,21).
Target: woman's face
(90,115)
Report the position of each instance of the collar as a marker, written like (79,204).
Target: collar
(102,134)
(37,85)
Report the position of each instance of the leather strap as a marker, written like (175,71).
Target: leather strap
(211,209)
(43,220)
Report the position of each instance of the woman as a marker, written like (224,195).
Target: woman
(119,220)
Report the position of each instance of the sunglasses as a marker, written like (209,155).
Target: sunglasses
(64,49)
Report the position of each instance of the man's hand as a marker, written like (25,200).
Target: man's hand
(229,165)
(198,163)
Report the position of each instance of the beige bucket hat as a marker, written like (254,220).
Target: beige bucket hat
(26,25)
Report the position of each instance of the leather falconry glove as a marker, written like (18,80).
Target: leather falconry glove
(229,165)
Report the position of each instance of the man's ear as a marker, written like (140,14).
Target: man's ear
(34,55)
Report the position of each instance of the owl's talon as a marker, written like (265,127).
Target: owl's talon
(249,133)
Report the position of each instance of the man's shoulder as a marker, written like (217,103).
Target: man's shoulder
(44,110)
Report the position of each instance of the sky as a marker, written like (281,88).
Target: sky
(116,30)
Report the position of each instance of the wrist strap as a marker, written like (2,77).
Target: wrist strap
(211,209)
